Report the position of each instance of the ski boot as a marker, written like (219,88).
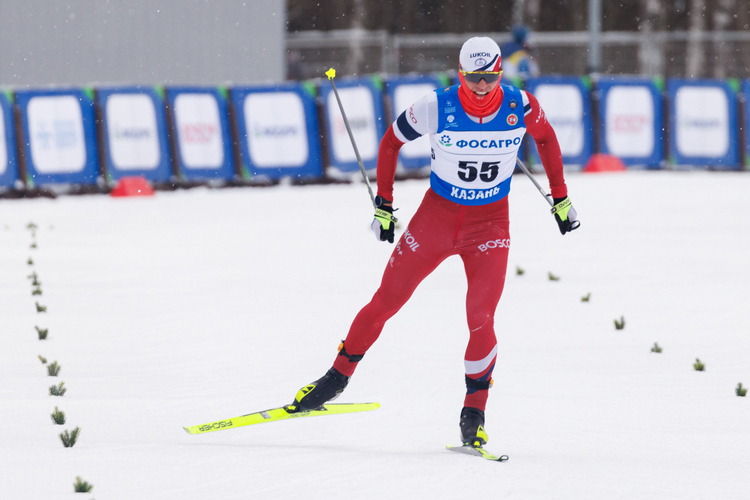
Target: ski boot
(316,394)
(472,427)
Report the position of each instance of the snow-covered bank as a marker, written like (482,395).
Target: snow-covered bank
(197,305)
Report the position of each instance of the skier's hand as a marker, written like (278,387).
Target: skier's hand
(384,223)
(565,215)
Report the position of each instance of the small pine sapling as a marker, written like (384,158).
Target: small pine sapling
(58,417)
(69,438)
(740,391)
(53,369)
(519,271)
(586,297)
(619,325)
(35,281)
(31,226)
(81,486)
(656,348)
(33,277)
(552,277)
(57,390)
(42,332)
(40,308)
(43,359)
(33,244)
(36,291)
(30,262)
(698,366)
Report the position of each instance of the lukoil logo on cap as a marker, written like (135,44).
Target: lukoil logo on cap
(480,54)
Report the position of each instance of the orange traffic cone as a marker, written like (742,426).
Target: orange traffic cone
(132,186)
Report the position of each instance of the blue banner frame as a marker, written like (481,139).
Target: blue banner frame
(604,86)
(391,85)
(746,92)
(163,170)
(730,161)
(379,112)
(90,171)
(587,148)
(313,168)
(226,169)
(10,176)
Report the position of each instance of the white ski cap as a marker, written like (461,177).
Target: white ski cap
(479,54)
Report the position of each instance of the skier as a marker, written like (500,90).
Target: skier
(517,56)
(475,130)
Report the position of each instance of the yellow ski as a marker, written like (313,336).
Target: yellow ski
(478,451)
(281,413)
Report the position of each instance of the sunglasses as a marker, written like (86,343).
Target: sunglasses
(477,76)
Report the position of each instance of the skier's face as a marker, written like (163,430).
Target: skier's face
(482,88)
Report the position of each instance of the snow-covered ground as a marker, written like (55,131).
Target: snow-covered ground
(197,305)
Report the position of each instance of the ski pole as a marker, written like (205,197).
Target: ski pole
(526,171)
(547,197)
(331,73)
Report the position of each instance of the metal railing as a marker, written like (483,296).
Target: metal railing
(708,54)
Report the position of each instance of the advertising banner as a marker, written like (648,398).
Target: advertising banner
(135,133)
(630,117)
(567,105)
(201,126)
(60,139)
(278,131)
(403,92)
(8,166)
(703,123)
(363,104)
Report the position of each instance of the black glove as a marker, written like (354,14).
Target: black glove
(384,223)
(565,215)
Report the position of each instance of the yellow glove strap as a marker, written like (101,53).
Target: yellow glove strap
(562,209)
(385,217)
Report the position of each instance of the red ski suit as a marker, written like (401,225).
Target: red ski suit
(441,228)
